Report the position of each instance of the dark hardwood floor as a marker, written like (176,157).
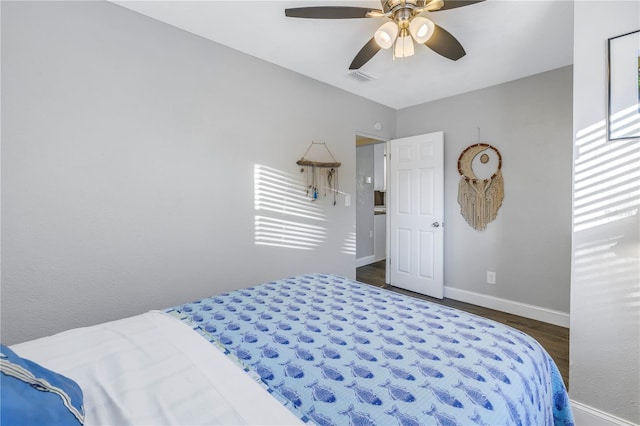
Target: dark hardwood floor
(553,338)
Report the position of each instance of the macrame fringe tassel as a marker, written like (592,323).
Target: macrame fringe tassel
(480,199)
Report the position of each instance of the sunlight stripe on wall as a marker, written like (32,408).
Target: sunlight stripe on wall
(285,215)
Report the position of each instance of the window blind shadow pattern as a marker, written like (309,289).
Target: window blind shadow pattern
(625,123)
(607,178)
(606,221)
(285,215)
(349,244)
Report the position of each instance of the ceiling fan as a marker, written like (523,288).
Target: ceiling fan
(404,27)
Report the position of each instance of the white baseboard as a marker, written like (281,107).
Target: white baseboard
(589,416)
(516,308)
(365,260)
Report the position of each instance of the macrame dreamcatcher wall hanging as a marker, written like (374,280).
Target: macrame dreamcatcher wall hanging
(480,198)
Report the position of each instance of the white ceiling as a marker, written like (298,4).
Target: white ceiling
(504,40)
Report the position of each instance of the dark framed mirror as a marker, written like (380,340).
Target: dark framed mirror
(623,112)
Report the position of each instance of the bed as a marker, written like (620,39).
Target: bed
(316,349)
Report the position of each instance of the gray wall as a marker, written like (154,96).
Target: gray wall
(129,151)
(605,285)
(528,245)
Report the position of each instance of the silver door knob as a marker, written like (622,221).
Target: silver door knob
(435,225)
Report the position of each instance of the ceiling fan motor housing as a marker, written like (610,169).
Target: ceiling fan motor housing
(403,11)
(410,7)
(390,5)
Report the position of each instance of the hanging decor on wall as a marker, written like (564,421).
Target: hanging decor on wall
(480,197)
(320,176)
(623,118)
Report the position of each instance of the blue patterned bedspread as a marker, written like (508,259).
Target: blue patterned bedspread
(337,351)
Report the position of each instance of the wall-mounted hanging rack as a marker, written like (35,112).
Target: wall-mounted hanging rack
(320,175)
(317,163)
(306,162)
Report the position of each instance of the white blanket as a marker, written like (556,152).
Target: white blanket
(152,369)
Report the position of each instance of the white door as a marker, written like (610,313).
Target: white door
(415,212)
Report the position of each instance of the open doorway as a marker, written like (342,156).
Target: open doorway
(371,196)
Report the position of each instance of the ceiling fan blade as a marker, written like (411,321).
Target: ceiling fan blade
(452,4)
(367,52)
(443,43)
(329,12)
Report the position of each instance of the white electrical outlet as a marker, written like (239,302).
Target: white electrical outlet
(347,200)
(491,277)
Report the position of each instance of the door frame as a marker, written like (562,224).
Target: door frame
(371,139)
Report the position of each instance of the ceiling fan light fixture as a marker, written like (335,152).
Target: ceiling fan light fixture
(404,26)
(404,45)
(386,34)
(421,29)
